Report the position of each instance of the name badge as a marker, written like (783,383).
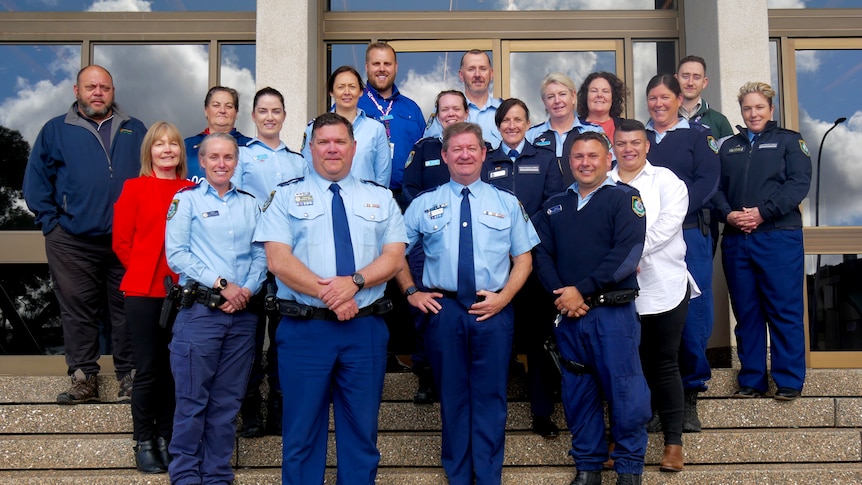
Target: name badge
(495,174)
(738,149)
(260,158)
(385,117)
(767,146)
(436,212)
(542,142)
(554,210)
(528,169)
(432,163)
(493,214)
(209,214)
(303,198)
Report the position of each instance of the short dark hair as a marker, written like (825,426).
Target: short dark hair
(380,46)
(330,83)
(629,126)
(216,89)
(331,118)
(687,59)
(460,128)
(618,94)
(504,108)
(666,80)
(267,91)
(593,136)
(474,52)
(453,92)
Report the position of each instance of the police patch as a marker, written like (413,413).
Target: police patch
(804,147)
(523,212)
(409,158)
(304,140)
(713,145)
(173,208)
(638,206)
(268,201)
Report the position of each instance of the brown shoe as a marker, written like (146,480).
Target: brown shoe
(671,461)
(85,388)
(609,465)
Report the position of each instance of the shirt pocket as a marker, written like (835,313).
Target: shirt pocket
(493,238)
(308,230)
(432,226)
(370,219)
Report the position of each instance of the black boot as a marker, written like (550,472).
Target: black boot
(274,413)
(164,455)
(629,479)
(690,420)
(147,458)
(587,478)
(252,423)
(425,391)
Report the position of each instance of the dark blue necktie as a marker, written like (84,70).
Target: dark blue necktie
(466,270)
(344,263)
(513,154)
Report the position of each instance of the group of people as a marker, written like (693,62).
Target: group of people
(588,234)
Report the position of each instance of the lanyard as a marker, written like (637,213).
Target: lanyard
(386,117)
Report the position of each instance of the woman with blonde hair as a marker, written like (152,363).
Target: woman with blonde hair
(139,242)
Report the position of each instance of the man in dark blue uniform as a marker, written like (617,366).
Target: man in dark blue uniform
(598,331)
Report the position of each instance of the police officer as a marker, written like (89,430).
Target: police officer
(598,331)
(472,233)
(533,176)
(208,242)
(221,106)
(332,242)
(765,174)
(559,96)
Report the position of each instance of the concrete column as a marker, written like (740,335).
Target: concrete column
(733,37)
(286,58)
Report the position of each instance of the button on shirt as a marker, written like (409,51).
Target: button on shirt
(373,158)
(261,168)
(484,117)
(500,230)
(208,236)
(663,277)
(300,217)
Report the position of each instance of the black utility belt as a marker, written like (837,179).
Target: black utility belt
(453,295)
(193,292)
(292,309)
(617,297)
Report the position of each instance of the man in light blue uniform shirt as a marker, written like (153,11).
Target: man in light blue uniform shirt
(332,339)
(476,73)
(208,242)
(471,323)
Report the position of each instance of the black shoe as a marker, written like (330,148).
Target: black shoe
(147,458)
(746,392)
(252,421)
(690,420)
(587,478)
(787,394)
(545,427)
(629,479)
(274,415)
(424,395)
(394,364)
(164,455)
(654,423)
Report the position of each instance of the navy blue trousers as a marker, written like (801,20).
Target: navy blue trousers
(322,361)
(693,365)
(764,273)
(470,361)
(211,354)
(605,339)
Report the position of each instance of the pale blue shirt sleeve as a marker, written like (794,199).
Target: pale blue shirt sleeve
(383,156)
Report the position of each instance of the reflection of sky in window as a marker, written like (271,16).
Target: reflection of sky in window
(128,5)
(486,5)
(814,3)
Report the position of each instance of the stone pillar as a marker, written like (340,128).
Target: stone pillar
(733,37)
(287,57)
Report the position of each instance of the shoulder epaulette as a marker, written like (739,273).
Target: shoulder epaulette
(291,181)
(502,189)
(428,191)
(189,187)
(625,187)
(426,140)
(244,192)
(364,181)
(537,125)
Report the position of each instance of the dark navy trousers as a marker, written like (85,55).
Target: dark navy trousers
(693,364)
(211,354)
(764,273)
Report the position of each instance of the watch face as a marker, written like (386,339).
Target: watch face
(358,279)
(222,283)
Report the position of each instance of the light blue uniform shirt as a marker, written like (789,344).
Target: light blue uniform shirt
(683,123)
(482,116)
(300,216)
(261,168)
(501,229)
(373,158)
(537,130)
(583,201)
(208,236)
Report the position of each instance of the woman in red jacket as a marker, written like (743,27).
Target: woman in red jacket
(139,241)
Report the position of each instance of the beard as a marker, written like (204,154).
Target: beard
(381,86)
(92,112)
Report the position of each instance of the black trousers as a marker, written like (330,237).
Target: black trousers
(87,277)
(659,351)
(534,317)
(153,399)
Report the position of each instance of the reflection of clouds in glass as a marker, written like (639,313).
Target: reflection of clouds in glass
(785,4)
(575,4)
(423,87)
(807,61)
(840,204)
(644,55)
(120,6)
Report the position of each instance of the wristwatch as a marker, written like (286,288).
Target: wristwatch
(409,291)
(222,283)
(358,280)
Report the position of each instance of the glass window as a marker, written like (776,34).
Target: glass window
(29,314)
(528,69)
(650,58)
(490,5)
(126,6)
(35,85)
(237,70)
(835,302)
(814,3)
(159,82)
(828,89)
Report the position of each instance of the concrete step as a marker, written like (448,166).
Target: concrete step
(801,474)
(767,446)
(400,387)
(806,412)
